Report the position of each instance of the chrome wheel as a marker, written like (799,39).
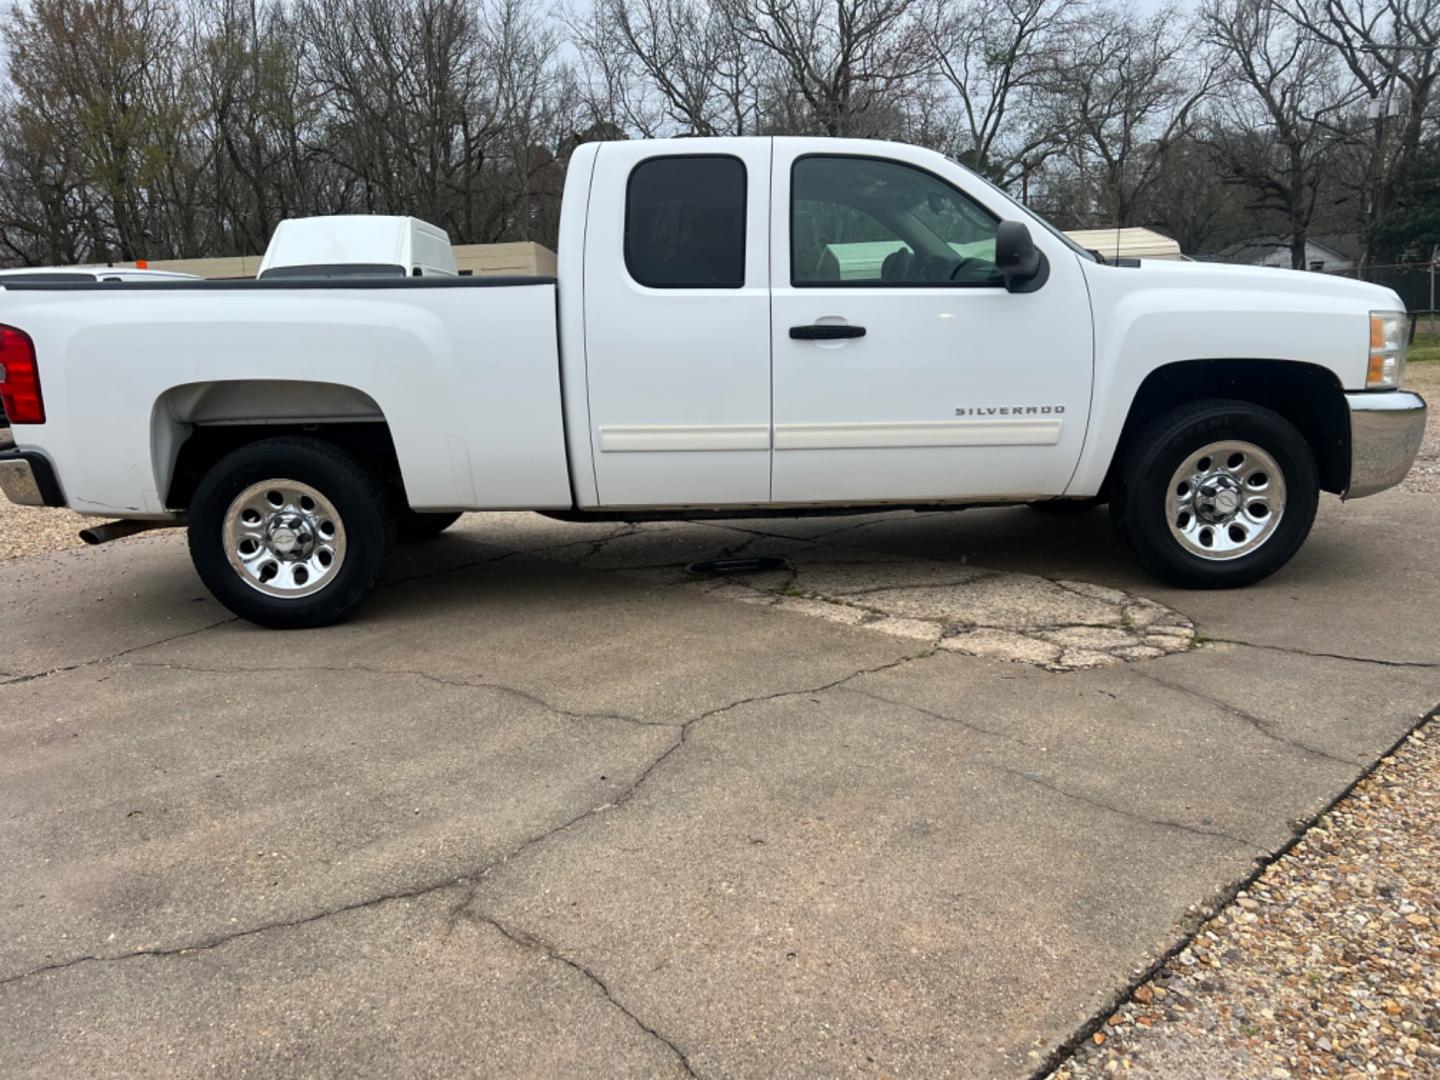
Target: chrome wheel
(284,538)
(1225,500)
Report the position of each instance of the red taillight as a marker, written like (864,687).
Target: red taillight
(20,378)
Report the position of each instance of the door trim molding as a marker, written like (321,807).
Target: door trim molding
(653,438)
(908,434)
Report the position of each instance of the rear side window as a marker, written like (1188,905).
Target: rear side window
(685,223)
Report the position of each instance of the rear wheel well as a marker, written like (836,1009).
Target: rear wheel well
(368,441)
(1307,395)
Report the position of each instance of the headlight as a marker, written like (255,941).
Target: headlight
(1389,341)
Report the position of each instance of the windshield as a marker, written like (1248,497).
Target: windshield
(1084,253)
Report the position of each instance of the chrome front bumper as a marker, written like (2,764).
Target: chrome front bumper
(1385,434)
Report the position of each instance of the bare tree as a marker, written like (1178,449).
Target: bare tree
(1187,200)
(100,78)
(681,65)
(1279,110)
(998,57)
(264,119)
(47,212)
(1130,89)
(1392,49)
(150,128)
(835,67)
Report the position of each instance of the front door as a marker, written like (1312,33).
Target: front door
(677,323)
(903,369)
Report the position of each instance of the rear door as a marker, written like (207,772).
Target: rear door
(677,323)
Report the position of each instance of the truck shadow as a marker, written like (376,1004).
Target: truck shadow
(1017,540)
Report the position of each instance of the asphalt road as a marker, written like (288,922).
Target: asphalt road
(554,806)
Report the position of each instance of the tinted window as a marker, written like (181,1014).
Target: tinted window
(865,221)
(685,223)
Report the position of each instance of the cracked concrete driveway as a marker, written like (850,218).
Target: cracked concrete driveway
(921,803)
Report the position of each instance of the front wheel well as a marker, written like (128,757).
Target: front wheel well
(1307,395)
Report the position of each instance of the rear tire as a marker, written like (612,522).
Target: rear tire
(1215,494)
(290,533)
(412,526)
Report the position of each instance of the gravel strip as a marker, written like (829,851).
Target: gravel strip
(1425,475)
(1328,965)
(35,530)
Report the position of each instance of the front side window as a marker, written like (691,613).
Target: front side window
(866,221)
(685,223)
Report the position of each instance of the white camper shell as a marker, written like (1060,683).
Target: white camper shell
(358,245)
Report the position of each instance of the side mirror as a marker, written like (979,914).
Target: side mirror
(1022,265)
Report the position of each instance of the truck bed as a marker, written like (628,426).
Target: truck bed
(464,371)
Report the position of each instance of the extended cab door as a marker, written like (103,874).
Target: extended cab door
(677,322)
(957,388)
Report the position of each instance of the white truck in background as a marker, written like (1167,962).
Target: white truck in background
(357,245)
(716,345)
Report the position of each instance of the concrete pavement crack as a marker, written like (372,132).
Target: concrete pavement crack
(532,943)
(218,940)
(1035,778)
(877,521)
(458,568)
(470,684)
(684,733)
(1099,804)
(1428,665)
(467,878)
(111,657)
(973,578)
(1261,725)
(11,679)
(597,546)
(978,728)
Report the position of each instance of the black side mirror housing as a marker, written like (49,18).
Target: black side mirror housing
(1022,265)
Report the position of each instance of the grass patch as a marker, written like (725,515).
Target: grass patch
(1426,345)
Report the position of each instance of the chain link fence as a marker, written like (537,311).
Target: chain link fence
(1416,282)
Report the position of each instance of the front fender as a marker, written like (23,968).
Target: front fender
(1159,313)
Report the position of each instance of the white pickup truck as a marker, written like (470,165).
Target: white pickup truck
(740,327)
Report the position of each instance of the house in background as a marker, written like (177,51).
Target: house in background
(1330,254)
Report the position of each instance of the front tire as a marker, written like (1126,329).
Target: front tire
(290,533)
(1216,494)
